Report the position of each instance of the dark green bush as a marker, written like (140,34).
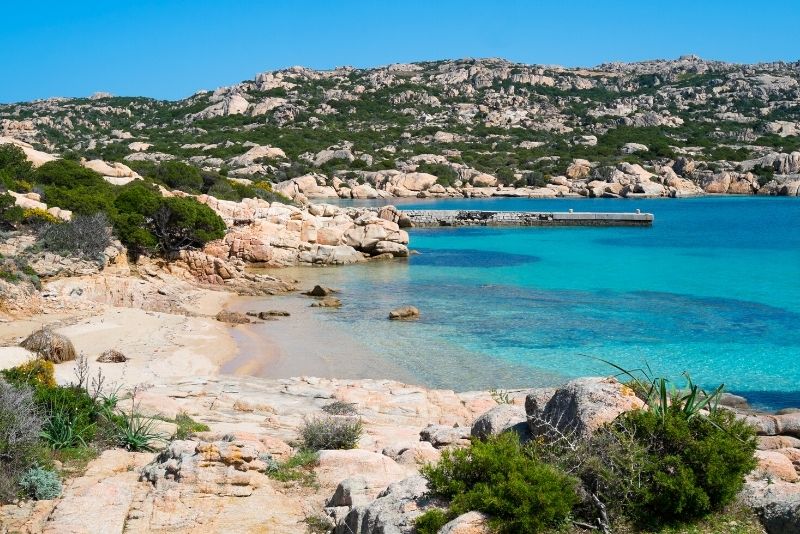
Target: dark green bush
(67,173)
(81,199)
(10,214)
(145,220)
(506,481)
(183,222)
(178,175)
(15,169)
(696,465)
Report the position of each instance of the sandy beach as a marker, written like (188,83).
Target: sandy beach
(159,345)
(164,346)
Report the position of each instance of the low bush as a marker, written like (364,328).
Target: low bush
(696,465)
(506,481)
(179,175)
(37,217)
(10,214)
(136,432)
(85,236)
(338,407)
(71,416)
(188,426)
(298,468)
(20,425)
(34,373)
(327,433)
(40,484)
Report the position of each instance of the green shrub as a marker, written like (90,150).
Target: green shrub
(178,175)
(15,169)
(431,521)
(145,220)
(188,426)
(20,425)
(136,432)
(71,416)
(697,465)
(327,433)
(81,199)
(68,174)
(183,222)
(506,481)
(10,214)
(40,484)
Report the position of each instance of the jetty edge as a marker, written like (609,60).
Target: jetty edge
(436,218)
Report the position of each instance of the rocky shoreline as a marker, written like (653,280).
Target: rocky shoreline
(217,479)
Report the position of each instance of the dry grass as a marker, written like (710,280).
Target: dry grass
(50,346)
(112,356)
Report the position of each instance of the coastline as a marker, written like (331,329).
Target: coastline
(301,345)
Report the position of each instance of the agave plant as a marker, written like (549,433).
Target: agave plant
(137,432)
(660,393)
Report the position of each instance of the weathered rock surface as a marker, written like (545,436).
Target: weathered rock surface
(393,512)
(582,406)
(500,419)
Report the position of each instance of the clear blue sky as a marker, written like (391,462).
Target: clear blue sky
(171,48)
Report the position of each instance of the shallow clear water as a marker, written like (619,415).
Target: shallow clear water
(712,288)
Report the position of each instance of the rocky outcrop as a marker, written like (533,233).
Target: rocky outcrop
(280,235)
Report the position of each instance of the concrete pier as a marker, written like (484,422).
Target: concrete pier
(433,218)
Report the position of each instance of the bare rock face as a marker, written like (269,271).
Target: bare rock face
(393,512)
(469,523)
(582,406)
(579,168)
(226,468)
(369,472)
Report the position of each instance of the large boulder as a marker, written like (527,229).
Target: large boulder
(579,168)
(776,502)
(500,419)
(582,406)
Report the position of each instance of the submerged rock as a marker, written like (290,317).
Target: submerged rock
(327,302)
(404,312)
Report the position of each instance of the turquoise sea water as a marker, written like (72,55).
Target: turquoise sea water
(712,288)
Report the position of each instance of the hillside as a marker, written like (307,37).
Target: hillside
(655,128)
